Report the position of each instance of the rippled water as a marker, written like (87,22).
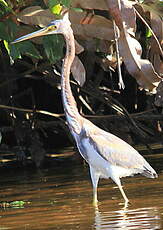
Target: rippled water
(61,198)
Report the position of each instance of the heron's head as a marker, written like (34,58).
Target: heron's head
(55,27)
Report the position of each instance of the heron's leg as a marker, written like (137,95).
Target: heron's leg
(95,178)
(123,194)
(118,182)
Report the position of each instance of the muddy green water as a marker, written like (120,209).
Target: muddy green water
(61,198)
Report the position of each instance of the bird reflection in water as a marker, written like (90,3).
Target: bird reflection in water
(125,218)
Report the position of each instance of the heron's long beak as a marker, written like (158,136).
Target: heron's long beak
(38,33)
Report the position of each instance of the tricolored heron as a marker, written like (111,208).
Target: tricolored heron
(106,154)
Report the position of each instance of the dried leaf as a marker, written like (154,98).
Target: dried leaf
(142,70)
(91,26)
(78,71)
(123,14)
(154,6)
(35,15)
(159,95)
(89,4)
(155,54)
(78,48)
(157,27)
(98,27)
(150,32)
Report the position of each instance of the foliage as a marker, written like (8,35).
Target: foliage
(105,42)
(53,47)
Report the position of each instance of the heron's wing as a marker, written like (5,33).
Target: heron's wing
(113,149)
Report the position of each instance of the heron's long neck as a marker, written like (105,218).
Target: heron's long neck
(70,108)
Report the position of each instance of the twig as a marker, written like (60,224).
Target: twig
(116,106)
(32,111)
(121,83)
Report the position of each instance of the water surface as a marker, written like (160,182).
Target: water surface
(61,198)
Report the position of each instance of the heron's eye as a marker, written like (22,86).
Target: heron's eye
(52,27)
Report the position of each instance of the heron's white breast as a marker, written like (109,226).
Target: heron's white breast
(95,160)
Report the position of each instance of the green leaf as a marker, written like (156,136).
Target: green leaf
(53,45)
(26,48)
(14,52)
(4,8)
(77,9)
(18,203)
(148,34)
(56,5)
(66,3)
(3,34)
(6,46)
(14,204)
(52,3)
(8,30)
(3,3)
(56,9)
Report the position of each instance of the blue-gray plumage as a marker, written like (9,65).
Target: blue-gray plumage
(106,154)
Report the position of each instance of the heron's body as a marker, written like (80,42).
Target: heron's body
(107,155)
